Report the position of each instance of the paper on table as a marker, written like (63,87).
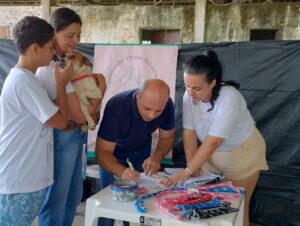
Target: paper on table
(154,181)
(204,177)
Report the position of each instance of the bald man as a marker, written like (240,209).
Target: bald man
(129,119)
(125,132)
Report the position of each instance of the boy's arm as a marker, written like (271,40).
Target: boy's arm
(74,111)
(59,119)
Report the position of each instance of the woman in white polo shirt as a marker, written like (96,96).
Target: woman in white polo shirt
(216,113)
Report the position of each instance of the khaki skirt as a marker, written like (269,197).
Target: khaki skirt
(241,162)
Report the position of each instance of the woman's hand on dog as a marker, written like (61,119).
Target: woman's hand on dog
(101,83)
(63,77)
(96,116)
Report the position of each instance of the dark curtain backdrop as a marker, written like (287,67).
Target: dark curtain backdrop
(269,74)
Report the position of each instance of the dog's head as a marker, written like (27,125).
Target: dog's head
(81,64)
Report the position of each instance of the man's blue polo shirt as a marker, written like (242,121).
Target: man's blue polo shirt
(123,124)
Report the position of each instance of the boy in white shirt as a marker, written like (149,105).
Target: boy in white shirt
(27,117)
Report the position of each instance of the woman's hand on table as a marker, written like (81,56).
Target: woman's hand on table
(197,173)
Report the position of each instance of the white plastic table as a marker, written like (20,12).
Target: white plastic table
(102,205)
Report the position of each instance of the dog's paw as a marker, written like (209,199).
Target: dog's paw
(92,126)
(85,101)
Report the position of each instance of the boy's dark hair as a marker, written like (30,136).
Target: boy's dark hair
(63,17)
(31,30)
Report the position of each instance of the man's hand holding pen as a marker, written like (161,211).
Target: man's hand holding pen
(128,174)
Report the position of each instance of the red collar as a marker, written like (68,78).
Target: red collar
(82,77)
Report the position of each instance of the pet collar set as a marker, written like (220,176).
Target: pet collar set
(199,202)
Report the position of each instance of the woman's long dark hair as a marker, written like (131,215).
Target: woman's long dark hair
(208,64)
(63,17)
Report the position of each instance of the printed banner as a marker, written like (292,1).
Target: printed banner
(128,66)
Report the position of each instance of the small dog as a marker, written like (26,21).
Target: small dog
(84,84)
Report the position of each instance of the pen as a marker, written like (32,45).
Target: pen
(130,165)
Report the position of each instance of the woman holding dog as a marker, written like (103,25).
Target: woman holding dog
(63,197)
(216,113)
